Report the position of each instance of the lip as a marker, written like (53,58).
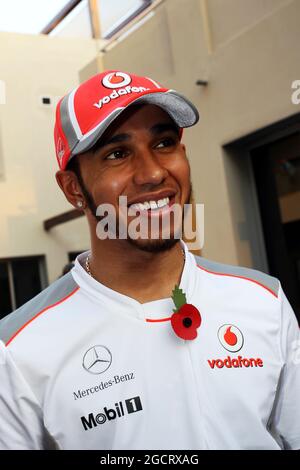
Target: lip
(153,197)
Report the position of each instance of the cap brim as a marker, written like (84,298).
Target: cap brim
(179,108)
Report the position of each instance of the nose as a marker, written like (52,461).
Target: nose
(148,169)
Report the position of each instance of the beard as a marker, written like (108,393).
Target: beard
(149,245)
(162,244)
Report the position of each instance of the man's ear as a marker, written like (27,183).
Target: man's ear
(68,183)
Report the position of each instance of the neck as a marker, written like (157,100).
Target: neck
(136,273)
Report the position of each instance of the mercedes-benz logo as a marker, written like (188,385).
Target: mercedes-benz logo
(97,359)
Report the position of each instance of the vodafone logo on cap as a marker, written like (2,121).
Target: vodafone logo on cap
(116,80)
(231,338)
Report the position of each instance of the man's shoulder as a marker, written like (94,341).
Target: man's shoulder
(47,298)
(260,278)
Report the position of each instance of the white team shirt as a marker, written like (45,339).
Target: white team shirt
(85,367)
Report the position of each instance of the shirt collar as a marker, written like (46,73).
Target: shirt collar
(156,309)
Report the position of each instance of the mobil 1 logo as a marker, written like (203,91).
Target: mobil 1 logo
(131,405)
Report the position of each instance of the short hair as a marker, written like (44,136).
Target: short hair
(73,165)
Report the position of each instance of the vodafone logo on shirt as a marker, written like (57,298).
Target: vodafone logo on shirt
(232,339)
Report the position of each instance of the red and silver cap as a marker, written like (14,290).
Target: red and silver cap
(84,114)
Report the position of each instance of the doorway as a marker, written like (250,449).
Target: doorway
(21,279)
(276,168)
(266,169)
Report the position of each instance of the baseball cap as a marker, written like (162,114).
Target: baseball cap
(84,114)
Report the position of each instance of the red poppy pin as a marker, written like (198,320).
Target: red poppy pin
(186,317)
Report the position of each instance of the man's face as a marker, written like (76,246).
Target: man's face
(139,156)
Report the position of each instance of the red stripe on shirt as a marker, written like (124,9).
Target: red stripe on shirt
(239,277)
(40,313)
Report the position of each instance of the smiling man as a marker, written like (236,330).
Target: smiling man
(101,359)
(140,157)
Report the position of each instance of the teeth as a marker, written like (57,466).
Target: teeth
(150,205)
(153,205)
(145,205)
(163,202)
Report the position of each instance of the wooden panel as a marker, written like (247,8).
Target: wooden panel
(95,19)
(62,218)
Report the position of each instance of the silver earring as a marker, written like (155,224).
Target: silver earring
(79,203)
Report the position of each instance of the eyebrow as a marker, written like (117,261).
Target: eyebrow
(120,138)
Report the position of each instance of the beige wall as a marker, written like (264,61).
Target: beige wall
(32,66)
(231,18)
(248,52)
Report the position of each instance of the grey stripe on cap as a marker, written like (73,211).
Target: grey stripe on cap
(59,289)
(66,123)
(265,280)
(180,109)
(89,140)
